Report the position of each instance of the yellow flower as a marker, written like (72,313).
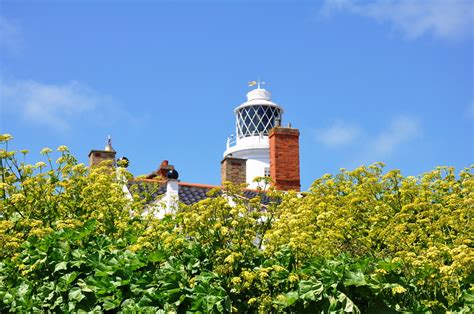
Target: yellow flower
(5,137)
(278,268)
(281,298)
(293,278)
(63,148)
(236,280)
(229,259)
(15,198)
(252,301)
(398,289)
(40,164)
(45,151)
(248,276)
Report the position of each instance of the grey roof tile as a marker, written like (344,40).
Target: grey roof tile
(188,193)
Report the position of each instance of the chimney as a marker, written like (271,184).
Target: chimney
(233,170)
(161,173)
(98,156)
(170,202)
(164,168)
(285,158)
(172,190)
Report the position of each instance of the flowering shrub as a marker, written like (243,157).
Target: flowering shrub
(72,240)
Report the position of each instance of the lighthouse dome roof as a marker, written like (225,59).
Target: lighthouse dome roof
(259,93)
(258,96)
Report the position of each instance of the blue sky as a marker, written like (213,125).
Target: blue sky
(364,81)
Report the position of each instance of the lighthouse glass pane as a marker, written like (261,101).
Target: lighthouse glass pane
(251,111)
(256,120)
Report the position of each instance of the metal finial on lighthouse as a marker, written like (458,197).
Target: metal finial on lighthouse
(260,83)
(108,147)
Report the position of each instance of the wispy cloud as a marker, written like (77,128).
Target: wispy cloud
(470,110)
(365,146)
(401,130)
(338,134)
(58,106)
(443,19)
(10,36)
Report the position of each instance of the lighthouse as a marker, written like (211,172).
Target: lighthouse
(248,152)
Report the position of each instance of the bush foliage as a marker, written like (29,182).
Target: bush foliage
(71,240)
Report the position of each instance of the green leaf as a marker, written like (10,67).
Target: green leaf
(8,298)
(349,306)
(291,298)
(23,289)
(355,278)
(468,297)
(76,294)
(211,301)
(69,278)
(60,266)
(59,301)
(110,303)
(310,289)
(156,257)
(84,287)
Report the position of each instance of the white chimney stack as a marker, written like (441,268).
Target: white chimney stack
(172,195)
(169,203)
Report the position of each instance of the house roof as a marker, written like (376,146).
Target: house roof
(189,193)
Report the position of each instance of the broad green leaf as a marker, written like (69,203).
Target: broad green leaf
(310,289)
(355,278)
(8,298)
(69,278)
(156,257)
(58,302)
(468,297)
(76,294)
(84,287)
(348,305)
(291,298)
(110,302)
(60,266)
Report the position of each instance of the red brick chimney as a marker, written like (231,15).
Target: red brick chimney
(164,168)
(161,172)
(285,158)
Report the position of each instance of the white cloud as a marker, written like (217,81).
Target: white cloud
(401,130)
(338,134)
(55,106)
(10,38)
(446,19)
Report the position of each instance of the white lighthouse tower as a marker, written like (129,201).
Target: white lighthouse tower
(254,120)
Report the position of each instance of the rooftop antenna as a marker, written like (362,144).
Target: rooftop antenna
(108,147)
